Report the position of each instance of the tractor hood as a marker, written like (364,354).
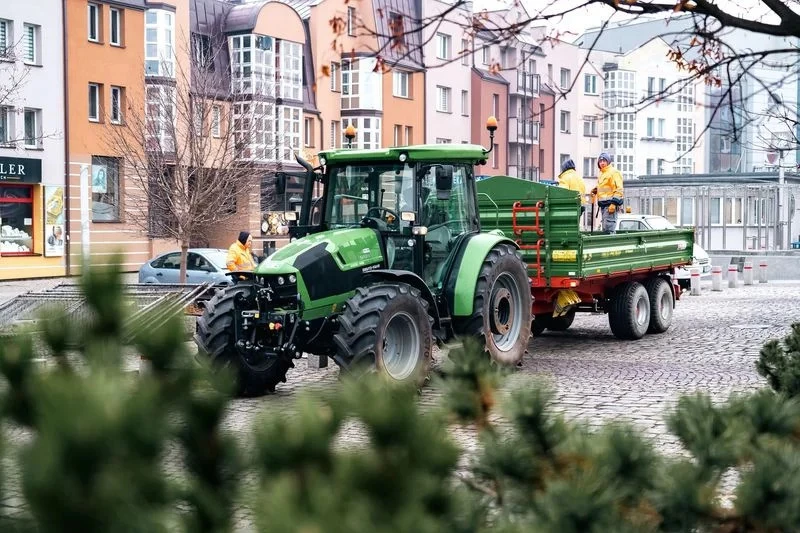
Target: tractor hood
(322,257)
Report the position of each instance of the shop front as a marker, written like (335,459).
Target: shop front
(32,222)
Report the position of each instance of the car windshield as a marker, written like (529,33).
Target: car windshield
(217,258)
(659,223)
(356,190)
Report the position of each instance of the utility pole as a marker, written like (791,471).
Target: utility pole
(783,203)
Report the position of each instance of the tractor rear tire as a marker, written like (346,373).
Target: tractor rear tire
(561,323)
(501,317)
(629,315)
(662,300)
(385,328)
(216,339)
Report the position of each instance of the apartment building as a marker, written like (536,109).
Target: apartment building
(490,96)
(32,141)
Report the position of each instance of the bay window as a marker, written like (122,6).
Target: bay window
(289,59)
(159,52)
(368,132)
(289,139)
(254,130)
(160,127)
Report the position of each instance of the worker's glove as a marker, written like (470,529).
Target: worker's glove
(612,208)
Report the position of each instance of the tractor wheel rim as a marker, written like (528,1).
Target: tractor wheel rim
(665,305)
(641,311)
(506,301)
(401,346)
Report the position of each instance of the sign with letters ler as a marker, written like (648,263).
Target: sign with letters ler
(20,170)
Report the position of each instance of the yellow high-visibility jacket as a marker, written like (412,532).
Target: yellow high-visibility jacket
(239,258)
(570,179)
(609,185)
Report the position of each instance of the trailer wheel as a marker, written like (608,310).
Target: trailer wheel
(540,323)
(216,339)
(386,328)
(562,323)
(629,315)
(501,313)
(662,302)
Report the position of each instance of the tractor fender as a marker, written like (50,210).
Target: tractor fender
(463,276)
(404,276)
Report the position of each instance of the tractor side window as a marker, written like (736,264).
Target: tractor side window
(451,213)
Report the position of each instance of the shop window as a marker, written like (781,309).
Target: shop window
(16,220)
(105,189)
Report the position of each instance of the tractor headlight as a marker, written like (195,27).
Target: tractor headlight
(292,278)
(322,161)
(281,281)
(403,157)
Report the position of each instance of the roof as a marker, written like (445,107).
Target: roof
(689,180)
(626,37)
(242,18)
(422,152)
(486,75)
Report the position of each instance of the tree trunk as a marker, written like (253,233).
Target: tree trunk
(184,257)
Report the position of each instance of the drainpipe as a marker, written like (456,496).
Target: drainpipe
(67,200)
(425,107)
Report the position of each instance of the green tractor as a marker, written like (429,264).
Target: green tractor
(388,259)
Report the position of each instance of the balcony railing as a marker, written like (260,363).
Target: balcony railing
(528,131)
(527,83)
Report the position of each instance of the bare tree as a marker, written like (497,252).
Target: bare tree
(193,149)
(704,37)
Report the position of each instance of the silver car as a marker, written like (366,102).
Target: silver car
(202,265)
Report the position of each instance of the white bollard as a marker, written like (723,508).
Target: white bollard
(694,281)
(762,271)
(733,274)
(716,278)
(747,273)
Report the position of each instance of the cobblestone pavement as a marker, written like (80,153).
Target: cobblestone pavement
(711,347)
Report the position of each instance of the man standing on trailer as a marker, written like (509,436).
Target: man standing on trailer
(609,192)
(570,179)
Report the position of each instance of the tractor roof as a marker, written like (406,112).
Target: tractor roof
(423,152)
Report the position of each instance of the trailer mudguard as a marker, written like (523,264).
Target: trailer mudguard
(466,268)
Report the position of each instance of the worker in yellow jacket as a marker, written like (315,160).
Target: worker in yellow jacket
(240,255)
(570,179)
(609,192)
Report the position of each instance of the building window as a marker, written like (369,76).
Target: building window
(649,167)
(443,46)
(94,23)
(5,38)
(495,105)
(541,115)
(253,65)
(397,31)
(335,133)
(6,126)
(215,121)
(409,135)
(289,69)
(662,85)
(661,123)
(465,52)
(651,86)
(442,140)
(661,166)
(650,127)
(368,132)
(159,53)
(398,135)
(335,77)
(33,128)
(105,189)
(16,212)
(197,116)
(465,103)
(117,95)
(485,54)
(590,84)
(351,21)
(589,166)
(160,112)
(400,84)
(308,132)
(350,85)
(564,123)
(687,212)
(31,50)
(254,129)
(590,126)
(94,102)
(289,137)
(715,211)
(443,99)
(202,52)
(116,26)
(566,78)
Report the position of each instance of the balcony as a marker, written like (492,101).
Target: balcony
(526,84)
(523,131)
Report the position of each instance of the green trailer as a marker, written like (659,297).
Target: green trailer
(628,275)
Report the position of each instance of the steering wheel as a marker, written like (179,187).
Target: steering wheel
(379,209)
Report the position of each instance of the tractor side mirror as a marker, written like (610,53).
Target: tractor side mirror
(280,183)
(444,181)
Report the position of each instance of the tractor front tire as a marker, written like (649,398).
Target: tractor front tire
(501,316)
(385,328)
(215,337)
(629,315)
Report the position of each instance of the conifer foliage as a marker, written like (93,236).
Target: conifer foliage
(99,447)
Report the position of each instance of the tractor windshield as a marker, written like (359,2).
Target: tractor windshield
(376,190)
